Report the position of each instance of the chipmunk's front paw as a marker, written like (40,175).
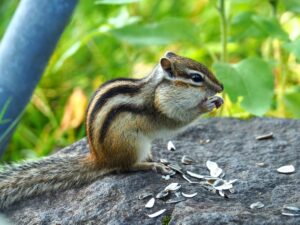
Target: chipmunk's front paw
(211,103)
(162,169)
(149,158)
(218,101)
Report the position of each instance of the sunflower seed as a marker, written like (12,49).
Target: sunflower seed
(173,187)
(213,168)
(286,169)
(261,164)
(164,161)
(211,180)
(171,146)
(264,136)
(218,182)
(222,174)
(162,194)
(188,180)
(189,195)
(225,186)
(213,191)
(175,167)
(290,214)
(216,172)
(221,193)
(186,160)
(150,203)
(166,177)
(232,181)
(156,214)
(211,165)
(257,205)
(201,141)
(291,208)
(145,195)
(195,175)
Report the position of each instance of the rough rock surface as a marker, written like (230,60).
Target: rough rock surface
(114,198)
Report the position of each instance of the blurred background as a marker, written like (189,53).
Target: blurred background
(252,46)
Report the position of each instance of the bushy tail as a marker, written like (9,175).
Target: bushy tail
(46,175)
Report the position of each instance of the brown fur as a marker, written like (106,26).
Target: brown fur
(123,117)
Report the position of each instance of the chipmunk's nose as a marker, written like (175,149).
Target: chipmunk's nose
(220,88)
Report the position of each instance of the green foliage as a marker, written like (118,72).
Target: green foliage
(251,79)
(270,27)
(253,45)
(293,47)
(292,5)
(115,2)
(292,101)
(166,220)
(158,33)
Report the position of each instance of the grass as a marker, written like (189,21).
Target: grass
(102,42)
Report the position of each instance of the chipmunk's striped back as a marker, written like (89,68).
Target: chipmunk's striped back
(111,99)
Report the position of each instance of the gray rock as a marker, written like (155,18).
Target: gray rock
(114,198)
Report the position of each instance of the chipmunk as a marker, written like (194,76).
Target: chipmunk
(123,117)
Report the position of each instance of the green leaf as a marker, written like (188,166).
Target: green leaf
(230,78)
(292,102)
(242,18)
(270,26)
(252,79)
(292,5)
(242,26)
(115,2)
(163,32)
(293,47)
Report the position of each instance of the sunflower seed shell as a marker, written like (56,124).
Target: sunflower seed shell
(145,195)
(150,203)
(156,214)
(257,205)
(286,169)
(171,146)
(172,187)
(164,161)
(265,136)
(213,168)
(176,168)
(189,195)
(186,160)
(291,208)
(162,194)
(199,176)
(290,214)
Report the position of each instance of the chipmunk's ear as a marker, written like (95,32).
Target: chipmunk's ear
(170,54)
(167,66)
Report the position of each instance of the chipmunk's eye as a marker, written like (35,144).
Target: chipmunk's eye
(196,77)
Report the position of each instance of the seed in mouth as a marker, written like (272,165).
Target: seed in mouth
(218,101)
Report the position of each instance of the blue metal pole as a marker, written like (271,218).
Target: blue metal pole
(24,52)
